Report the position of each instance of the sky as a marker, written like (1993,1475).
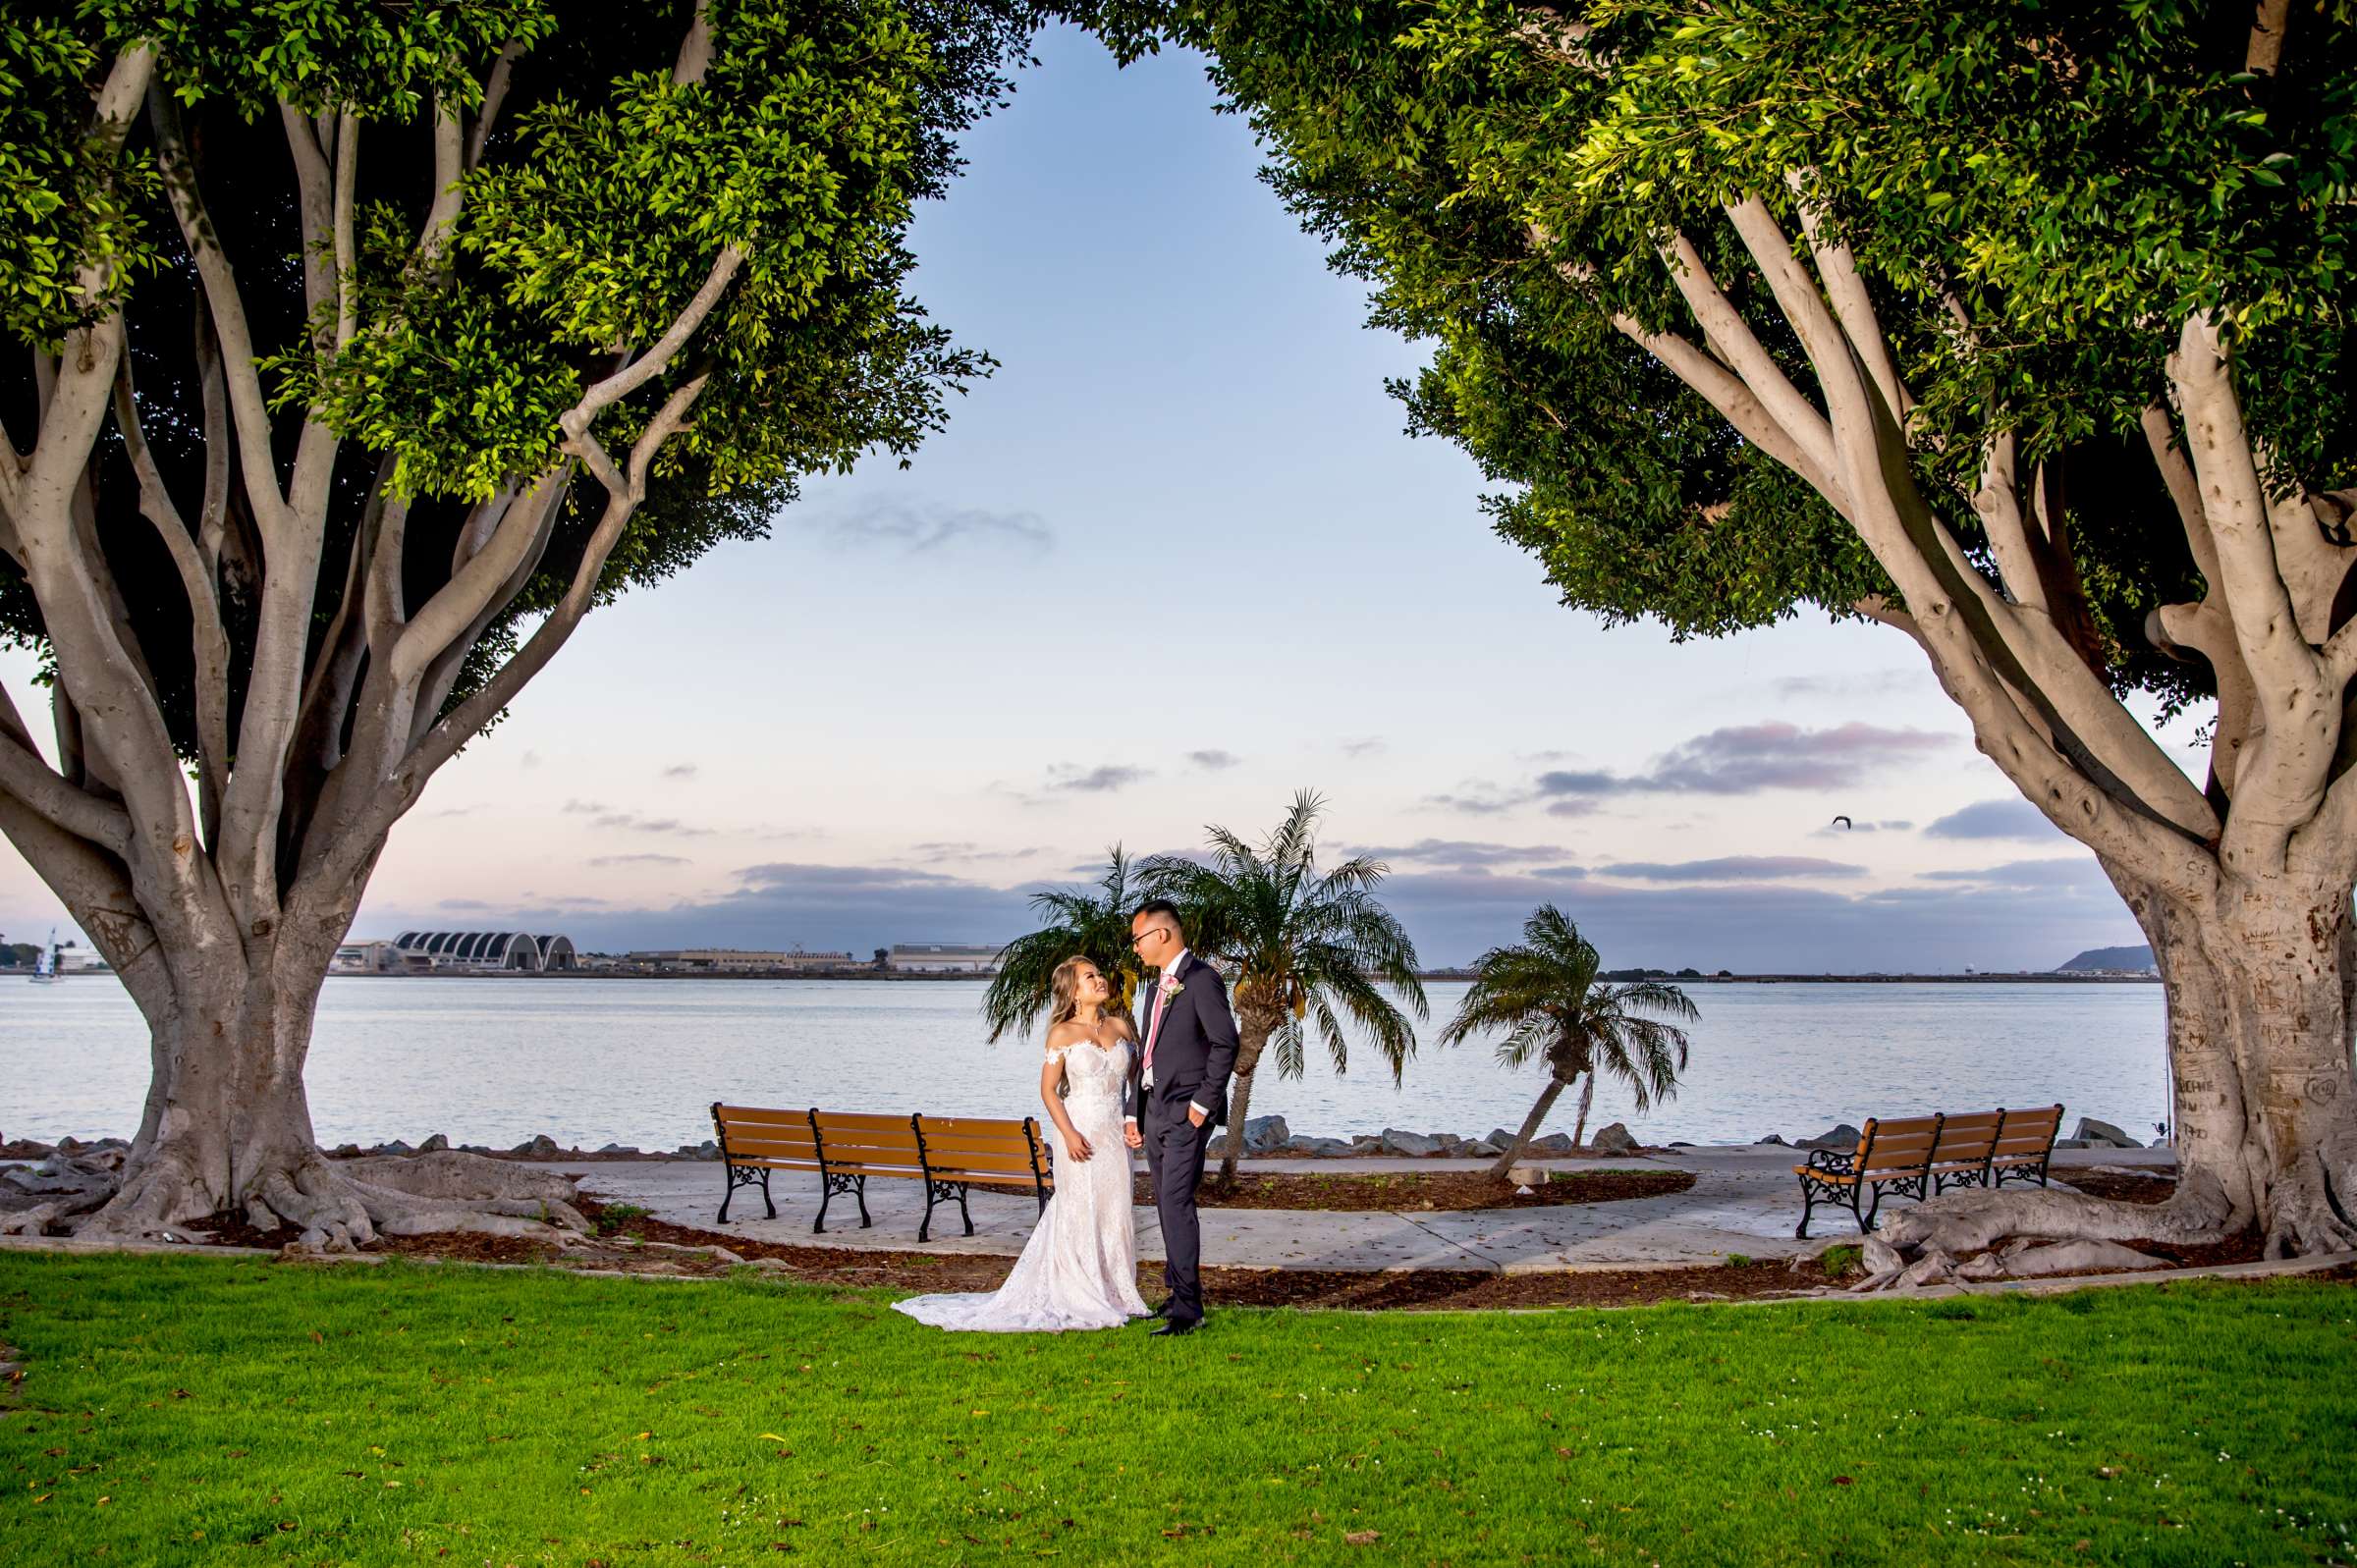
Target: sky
(1174,561)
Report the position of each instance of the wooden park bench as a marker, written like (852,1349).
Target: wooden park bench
(1920,1157)
(949,1155)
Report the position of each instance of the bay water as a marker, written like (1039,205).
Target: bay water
(590,1062)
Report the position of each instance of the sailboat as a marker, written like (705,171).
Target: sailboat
(44,967)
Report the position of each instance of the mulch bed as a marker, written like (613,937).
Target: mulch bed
(2249,1247)
(1361,1192)
(2119,1189)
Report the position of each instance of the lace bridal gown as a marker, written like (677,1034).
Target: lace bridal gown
(1079,1269)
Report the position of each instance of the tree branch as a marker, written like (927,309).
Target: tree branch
(1725,327)
(2234,504)
(1853,306)
(348,180)
(450,170)
(696,49)
(27,778)
(658,356)
(209,650)
(495,93)
(336,856)
(314,209)
(473,587)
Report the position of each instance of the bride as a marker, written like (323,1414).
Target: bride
(1079,1269)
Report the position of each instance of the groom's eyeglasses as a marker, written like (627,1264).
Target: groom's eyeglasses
(1154,931)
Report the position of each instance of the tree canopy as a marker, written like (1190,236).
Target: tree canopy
(2035,197)
(541,196)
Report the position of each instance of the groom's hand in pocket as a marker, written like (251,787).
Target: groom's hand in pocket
(1195,1118)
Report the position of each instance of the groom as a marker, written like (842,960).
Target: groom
(1178,1090)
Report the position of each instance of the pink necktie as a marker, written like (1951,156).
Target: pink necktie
(1161,999)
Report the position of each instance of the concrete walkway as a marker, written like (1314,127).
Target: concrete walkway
(1744,1200)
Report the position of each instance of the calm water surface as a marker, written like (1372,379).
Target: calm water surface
(594,1061)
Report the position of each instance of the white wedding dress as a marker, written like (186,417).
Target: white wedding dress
(1079,1269)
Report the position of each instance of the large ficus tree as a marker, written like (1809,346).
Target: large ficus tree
(2020,329)
(360,350)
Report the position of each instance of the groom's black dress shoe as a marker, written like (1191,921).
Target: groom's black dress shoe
(1177,1326)
(1162,1311)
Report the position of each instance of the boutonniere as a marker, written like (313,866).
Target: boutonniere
(1170,989)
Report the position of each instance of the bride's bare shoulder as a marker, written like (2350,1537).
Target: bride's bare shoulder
(1065,1036)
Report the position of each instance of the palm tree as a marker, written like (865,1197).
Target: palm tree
(1093,923)
(1298,945)
(1545,995)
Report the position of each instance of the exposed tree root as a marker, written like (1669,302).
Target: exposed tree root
(2312,1211)
(338,1207)
(2049,1230)
(1970,1219)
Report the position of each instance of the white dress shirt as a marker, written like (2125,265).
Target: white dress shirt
(1148,1081)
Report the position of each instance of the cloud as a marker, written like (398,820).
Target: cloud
(1365,747)
(960,849)
(1739,760)
(1833,830)
(461,903)
(2076,871)
(1093,780)
(455,811)
(641,860)
(679,770)
(631,822)
(584,807)
(1478,797)
(1212,760)
(2011,818)
(1869,683)
(1746,759)
(1732,868)
(1770,927)
(921,527)
(1462,852)
(529,760)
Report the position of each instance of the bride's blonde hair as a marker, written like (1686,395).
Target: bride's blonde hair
(1064,986)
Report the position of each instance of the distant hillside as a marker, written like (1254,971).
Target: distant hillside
(2112,958)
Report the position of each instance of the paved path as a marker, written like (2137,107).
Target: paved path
(1743,1201)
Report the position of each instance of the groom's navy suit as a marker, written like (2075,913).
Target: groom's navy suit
(1193,1055)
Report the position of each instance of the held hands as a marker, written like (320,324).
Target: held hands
(1132,1136)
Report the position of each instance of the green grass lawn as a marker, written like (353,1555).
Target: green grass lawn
(197,1410)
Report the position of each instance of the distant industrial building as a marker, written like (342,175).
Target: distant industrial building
(487,951)
(741,958)
(376,958)
(941,958)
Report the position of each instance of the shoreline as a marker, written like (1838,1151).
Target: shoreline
(1441,976)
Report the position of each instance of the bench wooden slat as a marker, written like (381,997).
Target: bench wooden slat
(1919,1155)
(860,1121)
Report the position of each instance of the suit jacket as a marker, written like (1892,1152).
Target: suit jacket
(1195,1052)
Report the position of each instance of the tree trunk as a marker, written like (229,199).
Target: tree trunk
(2265,1113)
(227,1128)
(1587,1098)
(1253,1032)
(1531,1125)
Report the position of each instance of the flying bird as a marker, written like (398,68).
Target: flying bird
(1842,822)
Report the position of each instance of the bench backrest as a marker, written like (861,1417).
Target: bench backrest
(777,1137)
(852,1141)
(983,1149)
(2028,1134)
(1897,1145)
(1967,1140)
